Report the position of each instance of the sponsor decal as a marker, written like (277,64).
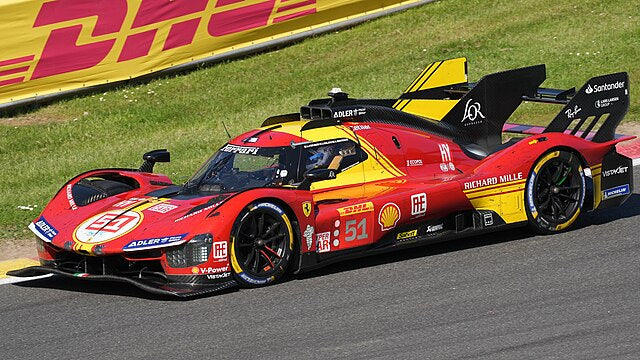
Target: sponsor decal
(418,204)
(530,186)
(445,155)
(604,87)
(349,113)
(603,103)
(445,152)
(218,276)
(251,140)
(197,212)
(487,219)
(492,181)
(308,236)
(162,208)
(472,113)
(434,228)
(219,250)
(616,191)
(356,209)
(107,226)
(571,113)
(72,202)
(389,216)
(235,149)
(306,208)
(251,280)
(45,229)
(324,143)
(361,127)
(154,242)
(210,270)
(617,171)
(414,162)
(323,242)
(127,202)
(407,235)
(270,206)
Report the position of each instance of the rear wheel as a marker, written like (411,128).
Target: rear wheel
(261,244)
(555,192)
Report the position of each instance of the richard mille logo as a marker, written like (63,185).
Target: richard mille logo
(472,113)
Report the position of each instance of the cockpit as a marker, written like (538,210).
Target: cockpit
(235,168)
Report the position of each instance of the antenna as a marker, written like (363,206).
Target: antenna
(225,129)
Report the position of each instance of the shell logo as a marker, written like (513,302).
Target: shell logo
(389,216)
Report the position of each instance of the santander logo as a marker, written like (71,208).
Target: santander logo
(604,87)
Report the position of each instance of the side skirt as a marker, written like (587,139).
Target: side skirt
(456,226)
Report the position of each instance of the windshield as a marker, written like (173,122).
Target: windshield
(235,168)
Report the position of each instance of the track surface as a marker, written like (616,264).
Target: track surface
(507,295)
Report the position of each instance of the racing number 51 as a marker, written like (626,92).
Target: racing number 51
(354,232)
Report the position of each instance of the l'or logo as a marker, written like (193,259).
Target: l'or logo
(306,208)
(472,111)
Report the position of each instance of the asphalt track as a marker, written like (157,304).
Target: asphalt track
(509,295)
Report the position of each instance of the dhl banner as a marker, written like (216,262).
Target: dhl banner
(59,46)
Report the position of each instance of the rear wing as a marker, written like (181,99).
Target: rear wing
(477,112)
(442,101)
(600,105)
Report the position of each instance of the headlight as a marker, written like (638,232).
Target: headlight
(194,252)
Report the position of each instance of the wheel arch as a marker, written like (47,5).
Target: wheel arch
(295,225)
(589,197)
(585,194)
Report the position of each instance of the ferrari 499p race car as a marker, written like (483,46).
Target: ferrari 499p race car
(346,177)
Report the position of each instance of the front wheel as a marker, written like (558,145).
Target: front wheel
(261,244)
(555,192)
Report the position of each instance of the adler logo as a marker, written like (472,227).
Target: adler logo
(604,87)
(472,113)
(349,113)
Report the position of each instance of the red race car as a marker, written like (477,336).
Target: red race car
(346,177)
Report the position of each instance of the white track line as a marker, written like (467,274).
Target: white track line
(13,280)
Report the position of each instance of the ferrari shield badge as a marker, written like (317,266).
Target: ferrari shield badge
(306,208)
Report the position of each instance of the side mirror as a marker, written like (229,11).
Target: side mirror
(320,174)
(152,157)
(314,175)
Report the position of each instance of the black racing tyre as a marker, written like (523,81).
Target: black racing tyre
(555,192)
(262,242)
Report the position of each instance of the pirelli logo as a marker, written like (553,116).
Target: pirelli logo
(356,209)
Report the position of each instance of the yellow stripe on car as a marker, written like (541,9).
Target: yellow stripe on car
(507,200)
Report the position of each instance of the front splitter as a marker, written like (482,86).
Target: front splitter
(153,287)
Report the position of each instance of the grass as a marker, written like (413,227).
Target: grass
(576,39)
